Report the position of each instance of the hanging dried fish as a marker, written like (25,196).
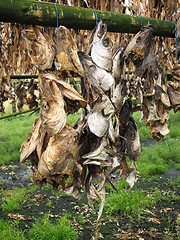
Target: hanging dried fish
(52,111)
(101,80)
(101,48)
(21,96)
(140,54)
(66,56)
(59,160)
(31,98)
(72,99)
(41,48)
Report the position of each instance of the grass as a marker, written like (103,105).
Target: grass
(14,199)
(43,229)
(130,201)
(8,231)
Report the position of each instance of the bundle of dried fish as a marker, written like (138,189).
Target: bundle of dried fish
(31,98)
(21,96)
(140,54)
(40,46)
(66,55)
(101,48)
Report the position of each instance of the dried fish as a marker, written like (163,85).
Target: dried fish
(98,124)
(41,48)
(31,142)
(101,48)
(73,100)
(21,96)
(101,80)
(67,58)
(52,111)
(60,156)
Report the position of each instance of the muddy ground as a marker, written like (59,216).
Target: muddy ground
(158,222)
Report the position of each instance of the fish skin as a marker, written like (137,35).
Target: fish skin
(101,48)
(116,66)
(61,154)
(29,146)
(101,80)
(41,48)
(52,111)
(66,55)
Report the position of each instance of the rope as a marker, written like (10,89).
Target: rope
(159,46)
(95,17)
(57,19)
(140,20)
(176,42)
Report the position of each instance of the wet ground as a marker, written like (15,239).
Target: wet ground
(159,222)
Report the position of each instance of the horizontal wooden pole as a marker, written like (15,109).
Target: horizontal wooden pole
(44,14)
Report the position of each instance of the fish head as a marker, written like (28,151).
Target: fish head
(87,63)
(101,30)
(140,45)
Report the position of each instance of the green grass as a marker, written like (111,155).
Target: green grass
(8,231)
(43,229)
(130,201)
(14,199)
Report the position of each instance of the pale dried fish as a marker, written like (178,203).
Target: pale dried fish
(101,80)
(101,48)
(98,124)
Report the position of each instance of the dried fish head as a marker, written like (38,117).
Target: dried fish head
(52,111)
(41,48)
(132,142)
(97,122)
(139,45)
(101,79)
(101,49)
(67,57)
(59,160)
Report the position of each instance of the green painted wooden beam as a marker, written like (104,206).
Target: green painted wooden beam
(44,14)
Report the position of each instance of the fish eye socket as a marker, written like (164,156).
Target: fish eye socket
(92,68)
(106,42)
(138,39)
(45,106)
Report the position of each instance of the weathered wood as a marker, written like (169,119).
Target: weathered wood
(44,14)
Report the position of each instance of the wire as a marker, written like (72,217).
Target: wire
(95,17)
(140,20)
